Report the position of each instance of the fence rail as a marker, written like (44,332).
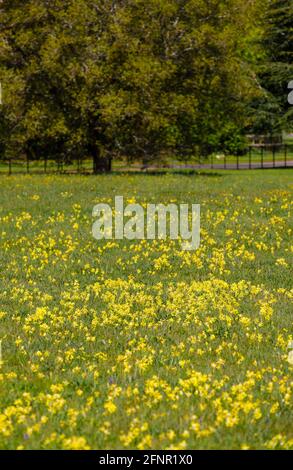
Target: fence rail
(256,156)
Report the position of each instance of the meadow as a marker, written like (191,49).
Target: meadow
(138,344)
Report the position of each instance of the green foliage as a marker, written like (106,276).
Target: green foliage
(272,112)
(121,78)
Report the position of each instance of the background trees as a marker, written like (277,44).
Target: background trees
(272,111)
(52,73)
(181,75)
(126,77)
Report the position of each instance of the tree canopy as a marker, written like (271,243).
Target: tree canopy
(275,69)
(126,77)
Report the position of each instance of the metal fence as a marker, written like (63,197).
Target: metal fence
(256,156)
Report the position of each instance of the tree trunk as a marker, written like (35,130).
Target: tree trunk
(100,164)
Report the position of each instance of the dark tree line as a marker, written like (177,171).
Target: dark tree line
(275,70)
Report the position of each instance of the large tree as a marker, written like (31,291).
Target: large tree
(123,77)
(52,64)
(183,74)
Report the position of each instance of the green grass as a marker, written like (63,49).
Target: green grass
(120,344)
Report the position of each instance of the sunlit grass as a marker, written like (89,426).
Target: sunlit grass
(124,344)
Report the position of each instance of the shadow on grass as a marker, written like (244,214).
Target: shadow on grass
(127,172)
(182,172)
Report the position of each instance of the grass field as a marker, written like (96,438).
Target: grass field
(120,344)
